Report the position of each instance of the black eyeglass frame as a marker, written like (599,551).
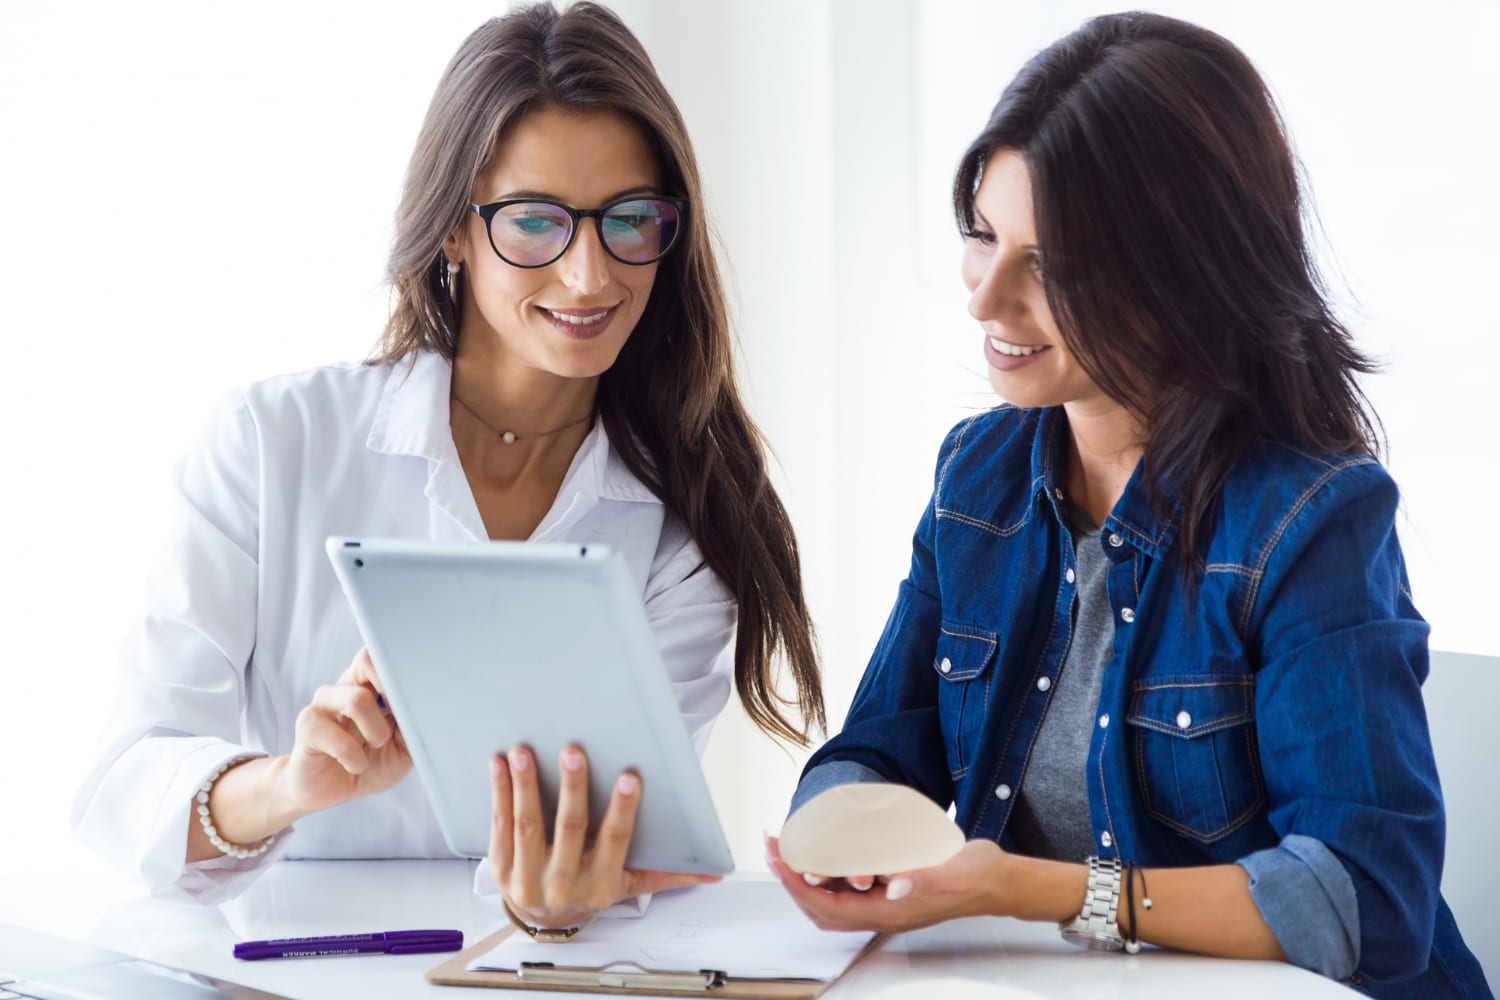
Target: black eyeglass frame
(488,213)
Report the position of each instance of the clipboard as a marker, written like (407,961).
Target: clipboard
(671,983)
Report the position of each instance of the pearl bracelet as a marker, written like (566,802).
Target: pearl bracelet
(206,821)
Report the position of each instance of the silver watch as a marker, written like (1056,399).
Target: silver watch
(1096,928)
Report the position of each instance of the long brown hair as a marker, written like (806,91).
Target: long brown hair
(670,403)
(1170,225)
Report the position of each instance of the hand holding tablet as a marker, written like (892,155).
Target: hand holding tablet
(563,883)
(494,647)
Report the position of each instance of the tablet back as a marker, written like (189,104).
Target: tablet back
(483,646)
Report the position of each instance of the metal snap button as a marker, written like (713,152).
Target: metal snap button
(1184,720)
(946,665)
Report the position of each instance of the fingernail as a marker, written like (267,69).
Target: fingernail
(380,700)
(627,784)
(495,765)
(572,760)
(861,886)
(812,879)
(898,888)
(520,760)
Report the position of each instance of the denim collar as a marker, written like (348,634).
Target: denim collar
(1131,517)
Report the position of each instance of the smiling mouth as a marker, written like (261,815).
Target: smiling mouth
(581,319)
(1017,350)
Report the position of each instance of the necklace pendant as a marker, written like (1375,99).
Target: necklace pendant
(509,437)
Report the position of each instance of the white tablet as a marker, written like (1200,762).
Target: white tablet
(483,646)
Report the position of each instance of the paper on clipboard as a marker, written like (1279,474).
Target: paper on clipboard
(745,929)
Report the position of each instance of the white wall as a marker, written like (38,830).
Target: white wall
(196,195)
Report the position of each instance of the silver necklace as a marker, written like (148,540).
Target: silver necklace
(511,437)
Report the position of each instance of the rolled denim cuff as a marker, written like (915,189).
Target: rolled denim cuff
(1306,897)
(828,774)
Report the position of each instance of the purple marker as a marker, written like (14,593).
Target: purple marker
(380,943)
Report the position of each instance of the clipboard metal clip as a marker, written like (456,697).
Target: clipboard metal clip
(545,973)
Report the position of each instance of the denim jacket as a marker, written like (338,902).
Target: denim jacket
(1285,700)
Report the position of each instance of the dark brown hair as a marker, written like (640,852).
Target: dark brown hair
(670,403)
(1170,225)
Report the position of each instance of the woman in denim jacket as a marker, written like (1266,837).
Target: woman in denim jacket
(1157,613)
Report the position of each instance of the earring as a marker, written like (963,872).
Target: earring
(450,281)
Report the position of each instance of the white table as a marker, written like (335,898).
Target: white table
(301,898)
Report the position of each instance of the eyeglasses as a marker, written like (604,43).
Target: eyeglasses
(530,233)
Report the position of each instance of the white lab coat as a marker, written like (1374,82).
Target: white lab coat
(244,618)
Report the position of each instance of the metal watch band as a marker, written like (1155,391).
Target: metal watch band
(1096,925)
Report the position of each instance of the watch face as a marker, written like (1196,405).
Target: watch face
(1092,941)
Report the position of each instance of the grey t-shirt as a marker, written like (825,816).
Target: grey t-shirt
(1050,817)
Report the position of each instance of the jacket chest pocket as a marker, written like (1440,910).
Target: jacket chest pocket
(1193,739)
(963,664)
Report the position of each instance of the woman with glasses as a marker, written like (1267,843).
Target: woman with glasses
(557,366)
(1157,645)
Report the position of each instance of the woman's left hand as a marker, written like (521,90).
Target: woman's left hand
(560,884)
(967,884)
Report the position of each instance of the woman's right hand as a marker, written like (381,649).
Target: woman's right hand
(347,743)
(347,746)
